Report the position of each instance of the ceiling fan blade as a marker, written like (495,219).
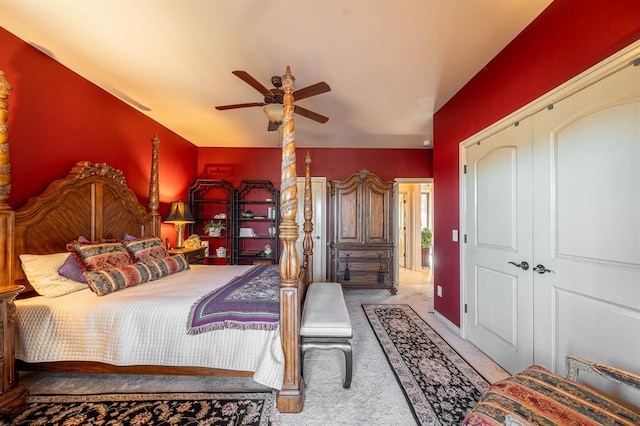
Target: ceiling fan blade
(272,126)
(314,89)
(250,104)
(244,76)
(310,114)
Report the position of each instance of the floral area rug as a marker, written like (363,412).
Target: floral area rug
(148,409)
(440,386)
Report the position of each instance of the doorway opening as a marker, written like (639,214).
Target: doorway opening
(414,213)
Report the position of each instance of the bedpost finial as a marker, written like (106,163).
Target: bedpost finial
(288,77)
(5,87)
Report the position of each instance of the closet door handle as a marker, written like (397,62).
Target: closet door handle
(541,269)
(522,265)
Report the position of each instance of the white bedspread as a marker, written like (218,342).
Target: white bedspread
(146,325)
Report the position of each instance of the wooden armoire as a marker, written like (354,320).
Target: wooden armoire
(362,248)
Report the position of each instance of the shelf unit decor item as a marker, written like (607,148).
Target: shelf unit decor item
(256,218)
(211,202)
(362,248)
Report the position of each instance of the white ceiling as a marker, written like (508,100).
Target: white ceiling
(390,63)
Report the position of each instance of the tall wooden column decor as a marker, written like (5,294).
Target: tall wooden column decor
(12,395)
(307,242)
(154,188)
(291,397)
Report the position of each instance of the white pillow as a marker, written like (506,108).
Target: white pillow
(42,272)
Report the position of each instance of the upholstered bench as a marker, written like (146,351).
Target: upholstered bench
(326,323)
(536,396)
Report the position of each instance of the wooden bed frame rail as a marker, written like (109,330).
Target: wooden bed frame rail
(102,209)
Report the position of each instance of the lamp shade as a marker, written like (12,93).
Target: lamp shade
(179,212)
(274,112)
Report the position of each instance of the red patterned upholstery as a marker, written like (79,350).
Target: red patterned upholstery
(538,397)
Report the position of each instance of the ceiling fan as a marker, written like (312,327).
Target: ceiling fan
(273,99)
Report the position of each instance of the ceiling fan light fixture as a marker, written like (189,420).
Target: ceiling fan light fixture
(274,112)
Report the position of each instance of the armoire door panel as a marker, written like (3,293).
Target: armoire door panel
(377,218)
(349,227)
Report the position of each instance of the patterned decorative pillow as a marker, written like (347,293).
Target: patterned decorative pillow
(144,249)
(102,256)
(169,265)
(42,272)
(110,280)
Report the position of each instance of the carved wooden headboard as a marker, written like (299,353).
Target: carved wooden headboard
(93,201)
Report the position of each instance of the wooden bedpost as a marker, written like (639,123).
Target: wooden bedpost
(7,215)
(154,188)
(307,242)
(291,397)
(12,394)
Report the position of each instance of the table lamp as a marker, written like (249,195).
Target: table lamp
(179,214)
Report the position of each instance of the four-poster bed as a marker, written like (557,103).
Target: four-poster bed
(94,201)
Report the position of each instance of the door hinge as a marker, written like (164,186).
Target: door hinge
(465,169)
(465,238)
(465,308)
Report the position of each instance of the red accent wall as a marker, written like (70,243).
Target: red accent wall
(57,118)
(569,37)
(235,164)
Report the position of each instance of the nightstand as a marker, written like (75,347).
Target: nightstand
(193,256)
(12,395)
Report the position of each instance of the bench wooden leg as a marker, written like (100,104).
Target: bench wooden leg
(343,345)
(348,358)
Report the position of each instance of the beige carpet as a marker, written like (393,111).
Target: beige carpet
(374,396)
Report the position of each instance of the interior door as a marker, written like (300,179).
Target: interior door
(498,279)
(586,213)
(402,230)
(319,192)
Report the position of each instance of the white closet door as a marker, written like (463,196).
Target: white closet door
(499,237)
(319,193)
(587,225)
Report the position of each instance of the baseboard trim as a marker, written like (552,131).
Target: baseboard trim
(446,322)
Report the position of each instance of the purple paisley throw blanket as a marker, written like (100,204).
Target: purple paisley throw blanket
(248,302)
